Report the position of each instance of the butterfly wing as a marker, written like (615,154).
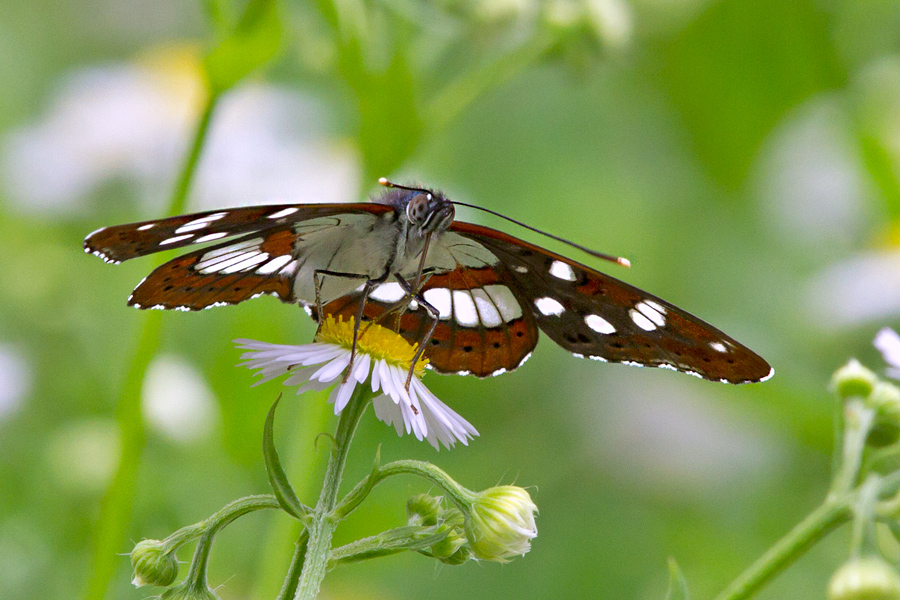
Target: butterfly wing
(258,252)
(591,314)
(481,329)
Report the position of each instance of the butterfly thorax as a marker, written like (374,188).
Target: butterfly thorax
(368,248)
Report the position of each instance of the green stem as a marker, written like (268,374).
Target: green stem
(293,576)
(115,511)
(455,97)
(392,541)
(189,168)
(321,527)
(221,518)
(461,496)
(815,526)
(858,419)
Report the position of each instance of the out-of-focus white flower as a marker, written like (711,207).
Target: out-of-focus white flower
(177,402)
(133,122)
(810,180)
(888,343)
(382,357)
(15,380)
(862,289)
(670,437)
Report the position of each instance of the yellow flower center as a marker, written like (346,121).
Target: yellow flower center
(374,340)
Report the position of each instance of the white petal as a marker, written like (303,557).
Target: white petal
(341,395)
(333,369)
(388,412)
(376,375)
(361,367)
(888,342)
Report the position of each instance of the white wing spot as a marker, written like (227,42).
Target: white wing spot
(229,249)
(275,264)
(561,270)
(651,313)
(490,316)
(175,239)
(549,307)
(248,263)
(655,306)
(283,213)
(641,321)
(387,292)
(599,324)
(718,346)
(440,299)
(464,309)
(145,227)
(290,268)
(223,265)
(192,226)
(210,237)
(520,269)
(505,300)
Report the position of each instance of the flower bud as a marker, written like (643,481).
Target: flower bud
(451,549)
(152,564)
(853,380)
(885,401)
(186,591)
(867,578)
(500,523)
(423,509)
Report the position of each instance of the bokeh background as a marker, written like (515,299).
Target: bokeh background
(744,154)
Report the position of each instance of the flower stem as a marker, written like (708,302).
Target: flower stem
(858,419)
(460,496)
(116,507)
(815,526)
(321,527)
(297,561)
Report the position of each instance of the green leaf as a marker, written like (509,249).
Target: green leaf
(677,585)
(254,41)
(285,494)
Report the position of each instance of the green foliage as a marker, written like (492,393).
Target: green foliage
(666,151)
(244,47)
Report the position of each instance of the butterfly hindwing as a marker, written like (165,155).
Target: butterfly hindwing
(227,273)
(591,314)
(481,328)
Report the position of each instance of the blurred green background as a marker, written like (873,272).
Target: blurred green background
(744,154)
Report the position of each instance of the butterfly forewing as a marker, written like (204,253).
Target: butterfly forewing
(594,315)
(123,242)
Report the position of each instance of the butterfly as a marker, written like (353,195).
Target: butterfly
(473,298)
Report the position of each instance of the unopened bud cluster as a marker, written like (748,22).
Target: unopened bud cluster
(865,578)
(496,524)
(854,381)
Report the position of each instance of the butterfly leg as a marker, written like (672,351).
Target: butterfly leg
(367,287)
(433,312)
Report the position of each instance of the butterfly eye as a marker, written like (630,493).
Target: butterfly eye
(417,209)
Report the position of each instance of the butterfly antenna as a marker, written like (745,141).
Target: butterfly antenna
(619,260)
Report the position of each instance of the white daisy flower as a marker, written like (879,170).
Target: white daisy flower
(888,343)
(383,358)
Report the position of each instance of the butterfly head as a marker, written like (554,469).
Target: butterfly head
(430,212)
